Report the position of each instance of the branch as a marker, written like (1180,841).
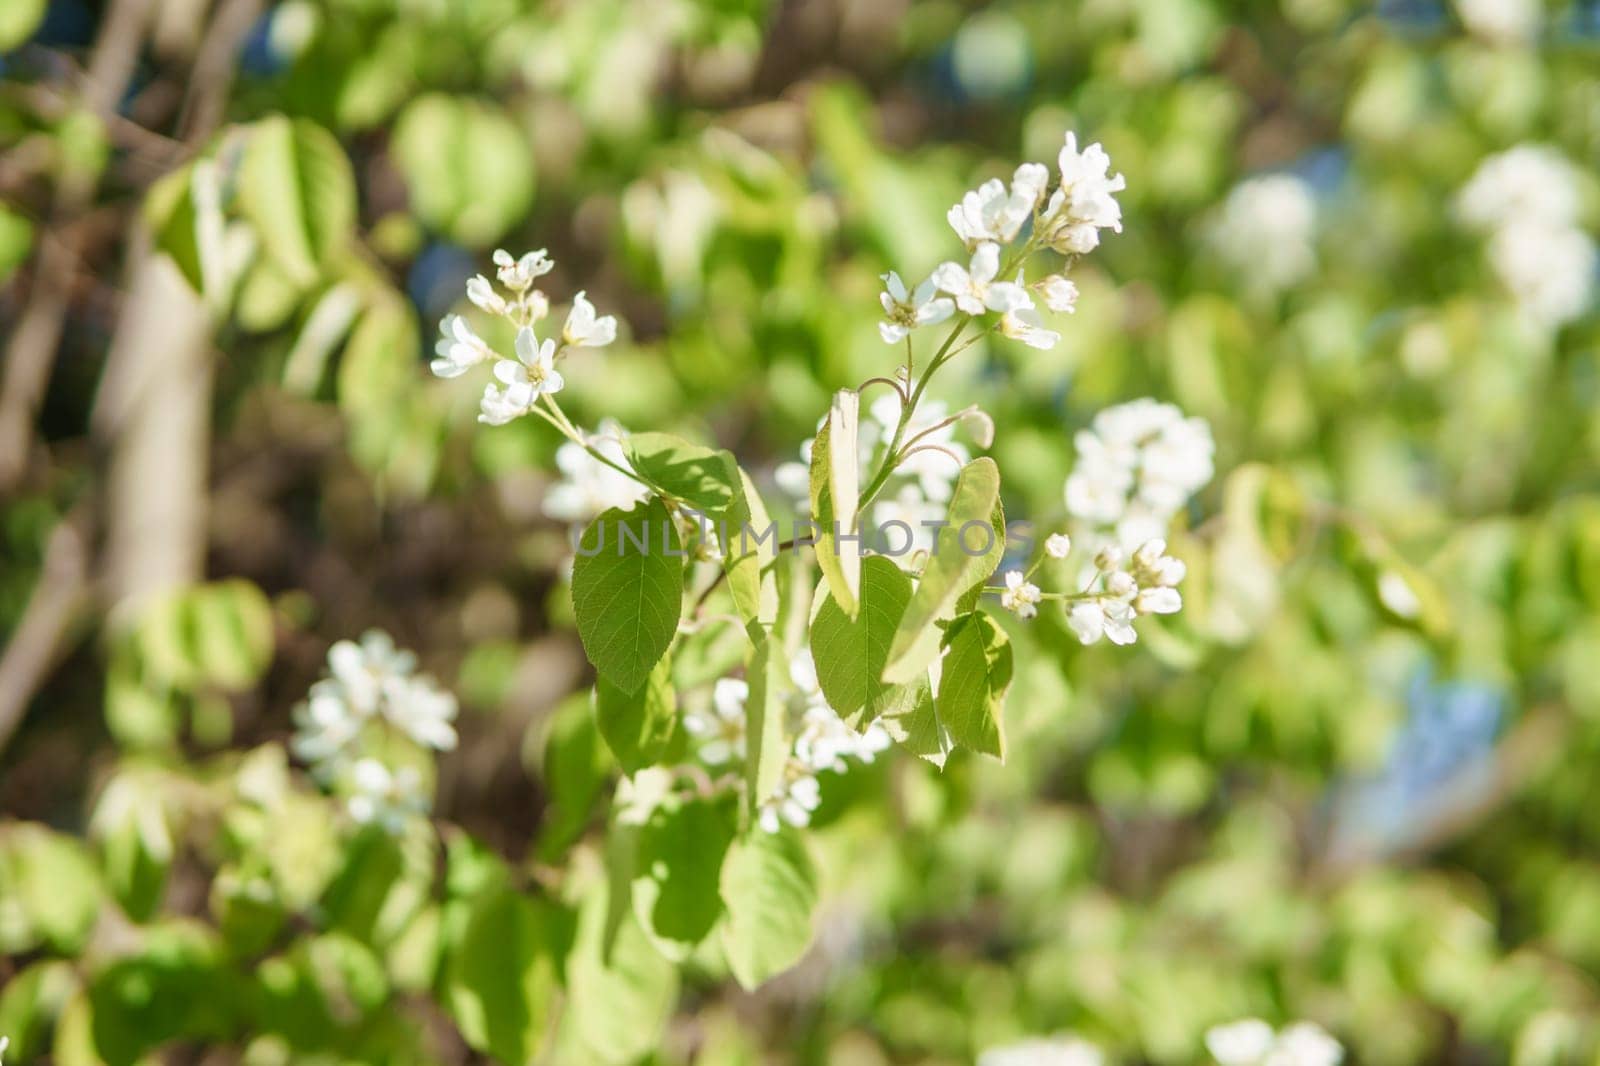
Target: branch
(32,348)
(40,637)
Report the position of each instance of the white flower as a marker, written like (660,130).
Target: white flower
(1241,1043)
(1266,231)
(1500,21)
(1528,199)
(588,486)
(991,213)
(518,274)
(1060,1051)
(423,711)
(459,348)
(1158,601)
(363,671)
(907,311)
(1084,203)
(531,375)
(1396,593)
(1252,1042)
(1020,595)
(974,287)
(584,330)
(972,218)
(1137,466)
(721,730)
(1548,269)
(935,472)
(1058,546)
(823,740)
(1025,325)
(1093,619)
(1028,184)
(368,680)
(388,798)
(325,725)
(793,479)
(1154,568)
(498,406)
(1305,1044)
(482,294)
(5,1042)
(791,802)
(1528,182)
(909,508)
(1060,295)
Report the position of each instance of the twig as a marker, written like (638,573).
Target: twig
(210,79)
(33,345)
(39,639)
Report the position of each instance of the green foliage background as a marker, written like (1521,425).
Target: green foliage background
(1181,834)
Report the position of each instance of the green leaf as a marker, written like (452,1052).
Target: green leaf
(952,568)
(247,912)
(628,592)
(850,653)
(467,166)
(680,470)
(677,866)
(770,890)
(18,21)
(575,764)
(30,1002)
(620,989)
(385,881)
(233,632)
(319,990)
(766,741)
(501,972)
(173,981)
(169,211)
(974,677)
(132,828)
(267,297)
(380,359)
(49,882)
(748,549)
(917,728)
(16,241)
(834,491)
(297,188)
(412,961)
(710,482)
(639,727)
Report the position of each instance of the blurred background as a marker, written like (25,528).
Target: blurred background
(1352,781)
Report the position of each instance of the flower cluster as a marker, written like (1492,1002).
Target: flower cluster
(1118,590)
(1118,594)
(822,741)
(994,215)
(1501,21)
(1041,1051)
(1136,468)
(589,485)
(1252,1042)
(1266,232)
(372,693)
(532,373)
(1527,200)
